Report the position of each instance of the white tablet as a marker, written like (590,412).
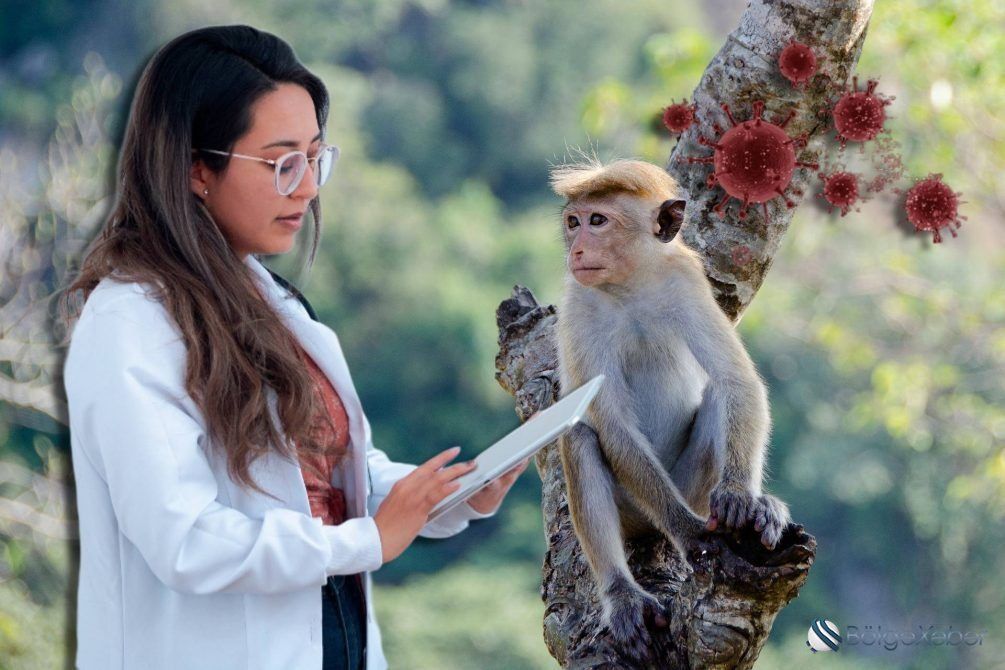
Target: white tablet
(521,443)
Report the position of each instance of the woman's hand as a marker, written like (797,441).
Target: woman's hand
(490,496)
(406,508)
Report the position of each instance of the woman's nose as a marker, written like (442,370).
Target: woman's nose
(308,186)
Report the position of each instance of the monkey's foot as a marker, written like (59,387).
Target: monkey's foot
(629,613)
(770,516)
(730,507)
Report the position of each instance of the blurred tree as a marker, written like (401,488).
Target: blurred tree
(483,89)
(899,547)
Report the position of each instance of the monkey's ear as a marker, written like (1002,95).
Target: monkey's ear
(670,219)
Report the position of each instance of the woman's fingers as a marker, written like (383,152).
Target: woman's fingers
(454,471)
(444,482)
(506,480)
(436,480)
(439,460)
(435,484)
(517,469)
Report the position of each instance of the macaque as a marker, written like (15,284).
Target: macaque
(676,438)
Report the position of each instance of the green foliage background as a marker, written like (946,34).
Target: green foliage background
(884,354)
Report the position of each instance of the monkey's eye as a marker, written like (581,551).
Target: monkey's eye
(597,219)
(573,221)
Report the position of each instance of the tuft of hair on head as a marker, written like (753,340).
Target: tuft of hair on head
(591,178)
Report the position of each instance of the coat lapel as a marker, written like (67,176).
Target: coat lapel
(322,345)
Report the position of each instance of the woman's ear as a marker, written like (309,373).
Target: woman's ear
(199,179)
(669,219)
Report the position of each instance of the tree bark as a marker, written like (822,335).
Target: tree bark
(723,602)
(746,70)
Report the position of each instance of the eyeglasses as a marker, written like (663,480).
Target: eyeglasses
(291,167)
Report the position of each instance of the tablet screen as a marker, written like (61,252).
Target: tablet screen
(543,429)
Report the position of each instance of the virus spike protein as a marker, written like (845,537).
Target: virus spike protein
(798,63)
(753,161)
(840,190)
(679,116)
(931,204)
(859,115)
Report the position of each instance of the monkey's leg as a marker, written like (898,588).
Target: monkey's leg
(711,490)
(626,606)
(640,473)
(696,471)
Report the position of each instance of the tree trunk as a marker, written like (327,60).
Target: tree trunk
(724,601)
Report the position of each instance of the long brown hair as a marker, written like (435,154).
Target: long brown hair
(197,91)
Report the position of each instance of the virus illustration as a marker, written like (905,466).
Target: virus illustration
(840,190)
(798,63)
(859,115)
(887,164)
(679,116)
(742,255)
(753,161)
(931,204)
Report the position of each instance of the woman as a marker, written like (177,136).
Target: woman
(224,468)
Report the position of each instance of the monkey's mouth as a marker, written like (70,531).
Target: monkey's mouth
(585,269)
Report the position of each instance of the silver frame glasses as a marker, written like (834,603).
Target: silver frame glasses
(278,164)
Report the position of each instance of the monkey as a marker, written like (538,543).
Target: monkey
(676,438)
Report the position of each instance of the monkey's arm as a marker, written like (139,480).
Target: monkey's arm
(635,465)
(734,414)
(733,420)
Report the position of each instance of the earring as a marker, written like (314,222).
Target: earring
(205,191)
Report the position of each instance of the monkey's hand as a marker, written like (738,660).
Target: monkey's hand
(770,516)
(730,505)
(628,611)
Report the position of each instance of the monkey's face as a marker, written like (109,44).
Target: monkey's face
(602,236)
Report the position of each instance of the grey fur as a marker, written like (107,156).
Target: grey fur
(681,425)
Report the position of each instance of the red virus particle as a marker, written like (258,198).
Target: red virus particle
(859,115)
(931,204)
(679,116)
(840,190)
(798,63)
(753,161)
(742,255)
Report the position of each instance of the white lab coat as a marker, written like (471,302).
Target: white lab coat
(180,568)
